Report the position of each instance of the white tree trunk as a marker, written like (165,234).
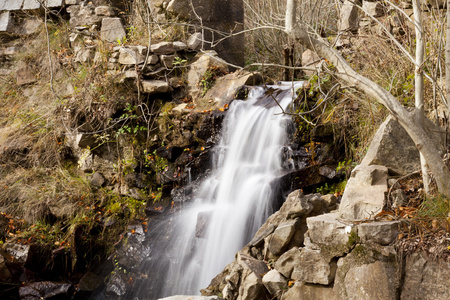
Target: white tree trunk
(419,102)
(447,58)
(291,7)
(407,119)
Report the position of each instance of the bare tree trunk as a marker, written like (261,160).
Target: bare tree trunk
(447,58)
(419,102)
(407,119)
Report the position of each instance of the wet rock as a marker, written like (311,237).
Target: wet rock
(203,218)
(364,195)
(383,233)
(117,284)
(328,172)
(282,236)
(112,29)
(45,290)
(19,252)
(274,282)
(89,282)
(5,274)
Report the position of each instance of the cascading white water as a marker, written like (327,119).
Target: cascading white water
(234,201)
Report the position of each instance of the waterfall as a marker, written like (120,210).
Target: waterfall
(230,205)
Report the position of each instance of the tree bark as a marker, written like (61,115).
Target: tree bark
(407,119)
(447,59)
(418,78)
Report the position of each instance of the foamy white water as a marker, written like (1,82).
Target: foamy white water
(236,198)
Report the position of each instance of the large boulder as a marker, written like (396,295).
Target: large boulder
(226,88)
(425,278)
(364,195)
(393,148)
(309,291)
(203,64)
(365,273)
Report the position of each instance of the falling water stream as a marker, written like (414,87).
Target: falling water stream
(230,204)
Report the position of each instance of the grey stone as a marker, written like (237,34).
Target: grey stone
(112,30)
(25,75)
(371,281)
(425,278)
(364,195)
(287,261)
(85,55)
(44,290)
(155,86)
(6,21)
(329,201)
(98,179)
(198,69)
(180,8)
(399,198)
(10,4)
(72,2)
(392,147)
(186,297)
(167,60)
(383,233)
(274,282)
(226,87)
(282,236)
(163,48)
(128,56)
(31,4)
(106,11)
(19,252)
(312,267)
(349,16)
(83,15)
(374,9)
(326,229)
(309,291)
(251,286)
(179,46)
(195,41)
(5,275)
